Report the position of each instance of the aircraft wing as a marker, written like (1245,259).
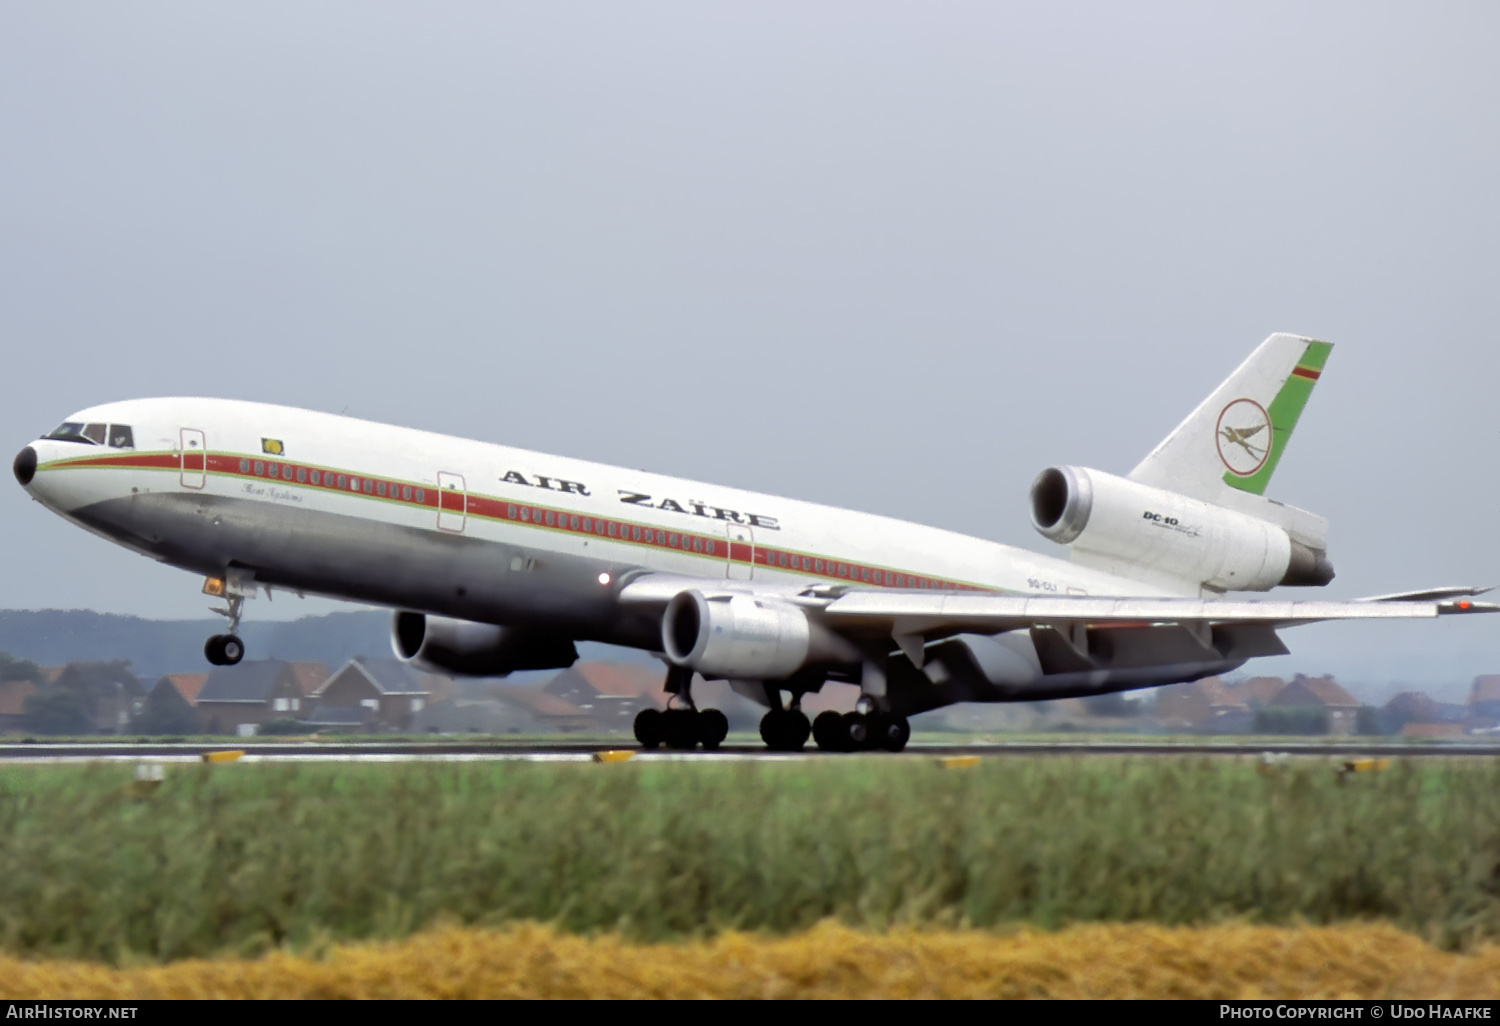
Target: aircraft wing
(916,613)
(931,615)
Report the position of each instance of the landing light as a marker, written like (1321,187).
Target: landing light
(604,578)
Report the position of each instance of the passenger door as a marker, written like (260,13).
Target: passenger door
(194,455)
(453,501)
(741,563)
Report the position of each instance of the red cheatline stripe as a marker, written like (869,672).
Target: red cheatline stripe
(1306,372)
(405,493)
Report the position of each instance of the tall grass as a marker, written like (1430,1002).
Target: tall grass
(243,858)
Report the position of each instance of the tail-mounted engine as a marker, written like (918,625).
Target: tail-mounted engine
(1109,520)
(443,645)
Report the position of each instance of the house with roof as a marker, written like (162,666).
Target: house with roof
(171,705)
(238,699)
(13,695)
(388,691)
(1484,701)
(611,693)
(1257,692)
(1206,705)
(1323,694)
(309,676)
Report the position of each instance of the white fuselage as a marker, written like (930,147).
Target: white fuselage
(329,504)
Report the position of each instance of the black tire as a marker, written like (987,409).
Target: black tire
(771,730)
(825,731)
(854,732)
(213,650)
(713,728)
(680,729)
(894,731)
(797,731)
(648,728)
(232,649)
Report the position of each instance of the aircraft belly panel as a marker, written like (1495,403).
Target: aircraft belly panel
(371,561)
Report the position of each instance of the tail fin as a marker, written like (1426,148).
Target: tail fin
(1227,449)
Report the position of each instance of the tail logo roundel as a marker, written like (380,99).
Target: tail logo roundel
(1243,436)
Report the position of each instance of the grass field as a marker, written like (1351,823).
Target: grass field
(828,961)
(241,860)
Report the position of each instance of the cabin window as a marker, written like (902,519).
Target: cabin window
(573,523)
(697,544)
(272,470)
(661,537)
(781,559)
(510,511)
(380,488)
(551,519)
(316,477)
(286,471)
(406,493)
(635,534)
(121,437)
(864,574)
(708,546)
(343,481)
(588,525)
(421,495)
(244,466)
(525,515)
(611,528)
(95,433)
(367,486)
(301,475)
(672,540)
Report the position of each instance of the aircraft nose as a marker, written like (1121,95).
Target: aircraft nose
(25,465)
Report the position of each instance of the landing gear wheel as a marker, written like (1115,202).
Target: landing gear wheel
(854,731)
(713,728)
(890,732)
(680,729)
(649,730)
(232,648)
(224,650)
(784,731)
(825,731)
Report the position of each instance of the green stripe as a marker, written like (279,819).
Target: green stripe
(1284,410)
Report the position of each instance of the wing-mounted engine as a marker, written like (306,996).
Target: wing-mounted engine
(443,645)
(1139,530)
(746,636)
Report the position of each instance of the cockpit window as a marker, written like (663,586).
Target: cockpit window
(119,436)
(71,431)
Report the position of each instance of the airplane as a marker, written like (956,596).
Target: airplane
(496,559)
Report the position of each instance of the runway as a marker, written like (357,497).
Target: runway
(596,750)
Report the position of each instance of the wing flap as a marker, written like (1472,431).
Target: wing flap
(916,613)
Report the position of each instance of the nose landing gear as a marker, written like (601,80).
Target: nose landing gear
(226,649)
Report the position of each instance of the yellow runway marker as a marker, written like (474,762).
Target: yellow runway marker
(616,755)
(214,758)
(959,761)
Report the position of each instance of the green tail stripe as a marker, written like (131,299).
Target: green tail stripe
(1285,410)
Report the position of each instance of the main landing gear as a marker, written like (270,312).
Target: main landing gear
(683,727)
(861,731)
(227,649)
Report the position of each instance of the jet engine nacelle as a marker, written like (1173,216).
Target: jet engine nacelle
(440,644)
(1110,519)
(745,637)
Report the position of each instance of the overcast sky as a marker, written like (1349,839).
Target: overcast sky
(895,257)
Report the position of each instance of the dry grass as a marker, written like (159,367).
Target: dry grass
(829,961)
